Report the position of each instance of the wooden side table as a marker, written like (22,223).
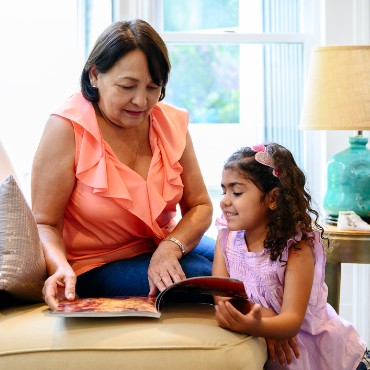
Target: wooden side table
(344,247)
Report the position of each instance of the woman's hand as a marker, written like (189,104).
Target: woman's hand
(283,349)
(59,286)
(164,268)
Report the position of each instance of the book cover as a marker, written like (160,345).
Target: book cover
(188,290)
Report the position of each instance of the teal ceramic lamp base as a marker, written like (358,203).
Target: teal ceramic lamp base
(348,180)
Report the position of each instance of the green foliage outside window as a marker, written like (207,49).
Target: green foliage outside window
(205,80)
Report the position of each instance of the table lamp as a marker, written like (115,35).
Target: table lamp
(337,97)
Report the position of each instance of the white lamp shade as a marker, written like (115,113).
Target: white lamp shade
(337,95)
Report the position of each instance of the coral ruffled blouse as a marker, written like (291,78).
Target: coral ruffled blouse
(113,213)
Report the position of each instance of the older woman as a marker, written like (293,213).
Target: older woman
(113,164)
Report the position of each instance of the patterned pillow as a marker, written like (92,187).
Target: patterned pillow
(22,263)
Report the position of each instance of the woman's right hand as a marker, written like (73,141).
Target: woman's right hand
(59,286)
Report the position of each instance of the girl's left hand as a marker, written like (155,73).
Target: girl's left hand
(229,317)
(283,349)
(164,268)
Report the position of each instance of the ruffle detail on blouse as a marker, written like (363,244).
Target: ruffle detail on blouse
(92,167)
(97,166)
(221,223)
(170,126)
(318,294)
(223,233)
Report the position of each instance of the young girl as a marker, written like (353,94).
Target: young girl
(267,239)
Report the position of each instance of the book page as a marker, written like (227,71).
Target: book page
(115,306)
(205,285)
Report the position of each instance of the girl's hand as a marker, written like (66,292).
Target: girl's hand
(59,286)
(164,268)
(283,349)
(229,317)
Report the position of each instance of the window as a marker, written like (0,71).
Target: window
(238,68)
(94,17)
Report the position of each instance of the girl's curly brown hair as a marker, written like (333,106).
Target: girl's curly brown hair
(293,203)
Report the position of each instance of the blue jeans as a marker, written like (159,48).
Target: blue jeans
(129,277)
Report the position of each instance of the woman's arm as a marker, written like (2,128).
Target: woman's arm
(297,289)
(196,208)
(53,180)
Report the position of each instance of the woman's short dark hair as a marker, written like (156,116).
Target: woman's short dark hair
(119,39)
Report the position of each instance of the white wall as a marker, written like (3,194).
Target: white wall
(39,67)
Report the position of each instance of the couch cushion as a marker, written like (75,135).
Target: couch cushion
(22,263)
(185,337)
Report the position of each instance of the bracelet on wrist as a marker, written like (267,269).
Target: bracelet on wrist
(178,243)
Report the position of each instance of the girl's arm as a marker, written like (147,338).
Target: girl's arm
(284,349)
(297,289)
(219,267)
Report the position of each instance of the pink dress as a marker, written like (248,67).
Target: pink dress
(113,213)
(325,340)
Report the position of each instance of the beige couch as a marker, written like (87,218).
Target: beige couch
(185,337)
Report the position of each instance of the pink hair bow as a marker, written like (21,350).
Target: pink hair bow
(265,158)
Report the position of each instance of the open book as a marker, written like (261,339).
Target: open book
(187,290)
